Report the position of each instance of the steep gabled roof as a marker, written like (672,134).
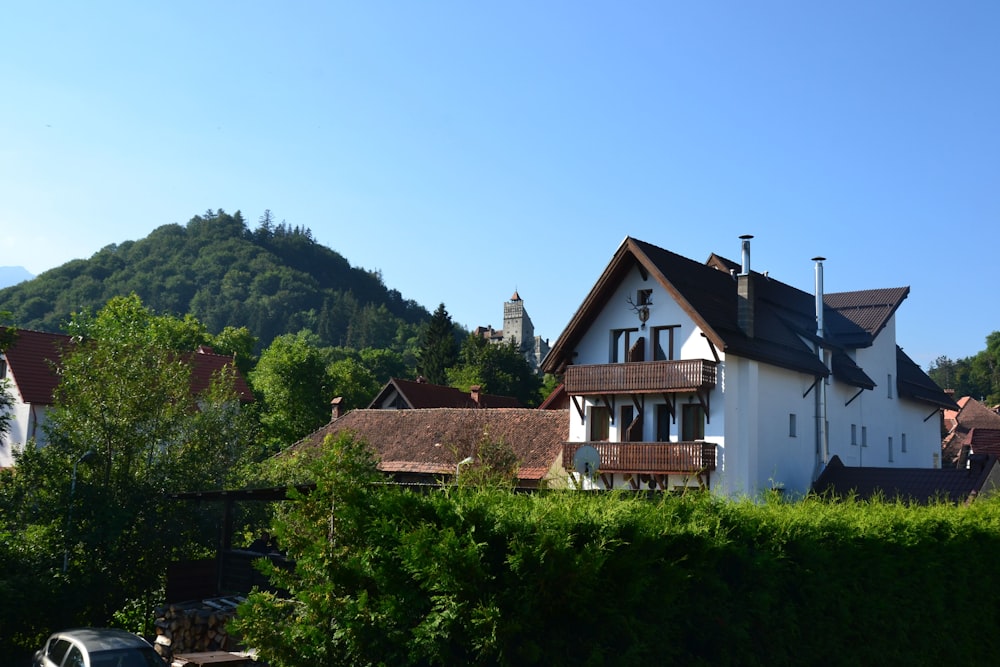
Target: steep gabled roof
(784,317)
(34,358)
(918,485)
(914,383)
(422,395)
(433,440)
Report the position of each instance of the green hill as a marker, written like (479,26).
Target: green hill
(274,279)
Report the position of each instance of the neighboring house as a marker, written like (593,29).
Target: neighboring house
(518,329)
(31,363)
(400,394)
(432,444)
(681,373)
(971,429)
(912,485)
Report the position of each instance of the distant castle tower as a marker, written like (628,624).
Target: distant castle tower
(517,328)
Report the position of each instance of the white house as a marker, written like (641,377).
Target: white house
(31,364)
(682,373)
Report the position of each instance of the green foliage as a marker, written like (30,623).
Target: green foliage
(274,280)
(498,369)
(438,348)
(977,376)
(485,576)
(86,530)
(293,384)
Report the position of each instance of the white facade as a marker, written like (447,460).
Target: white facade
(25,424)
(774,415)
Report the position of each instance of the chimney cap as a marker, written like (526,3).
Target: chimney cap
(746,237)
(819,259)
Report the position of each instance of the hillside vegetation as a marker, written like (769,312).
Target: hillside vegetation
(274,279)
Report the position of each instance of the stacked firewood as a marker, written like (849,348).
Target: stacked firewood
(191,627)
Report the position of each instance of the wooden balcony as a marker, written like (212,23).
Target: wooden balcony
(641,377)
(648,457)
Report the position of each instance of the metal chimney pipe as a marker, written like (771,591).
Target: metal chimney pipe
(819,296)
(745,270)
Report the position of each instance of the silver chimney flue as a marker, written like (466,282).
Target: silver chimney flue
(745,270)
(822,433)
(744,291)
(819,296)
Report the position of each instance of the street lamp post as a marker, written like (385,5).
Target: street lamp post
(86,456)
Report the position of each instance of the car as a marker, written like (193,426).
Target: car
(97,647)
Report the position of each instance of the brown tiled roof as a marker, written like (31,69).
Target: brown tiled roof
(433,440)
(973,414)
(984,441)
(34,356)
(784,316)
(206,365)
(422,395)
(919,485)
(32,359)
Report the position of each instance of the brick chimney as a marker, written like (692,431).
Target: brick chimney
(744,291)
(474,393)
(337,408)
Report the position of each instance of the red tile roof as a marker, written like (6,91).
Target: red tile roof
(34,356)
(32,359)
(433,440)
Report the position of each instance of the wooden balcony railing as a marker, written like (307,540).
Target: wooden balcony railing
(648,457)
(640,377)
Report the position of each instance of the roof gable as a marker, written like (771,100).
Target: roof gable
(420,395)
(33,360)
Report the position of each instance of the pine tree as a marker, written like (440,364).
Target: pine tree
(438,349)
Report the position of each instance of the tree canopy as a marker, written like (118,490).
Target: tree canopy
(273,280)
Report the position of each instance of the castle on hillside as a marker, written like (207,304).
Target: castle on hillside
(517,328)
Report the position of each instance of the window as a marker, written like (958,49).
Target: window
(74,658)
(57,650)
(663,342)
(791,425)
(692,422)
(621,342)
(627,415)
(902,443)
(600,420)
(864,436)
(662,423)
(890,449)
(644,297)
(854,434)
(3,368)
(889,386)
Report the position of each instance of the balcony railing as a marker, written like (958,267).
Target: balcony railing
(648,457)
(640,377)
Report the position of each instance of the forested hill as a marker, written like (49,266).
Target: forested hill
(273,279)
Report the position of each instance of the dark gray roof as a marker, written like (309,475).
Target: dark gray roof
(784,317)
(917,485)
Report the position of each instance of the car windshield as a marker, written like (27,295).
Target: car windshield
(140,656)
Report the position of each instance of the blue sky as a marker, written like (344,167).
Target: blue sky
(470,149)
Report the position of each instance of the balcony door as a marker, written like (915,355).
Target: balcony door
(692,422)
(599,424)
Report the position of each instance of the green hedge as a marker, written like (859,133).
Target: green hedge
(489,577)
